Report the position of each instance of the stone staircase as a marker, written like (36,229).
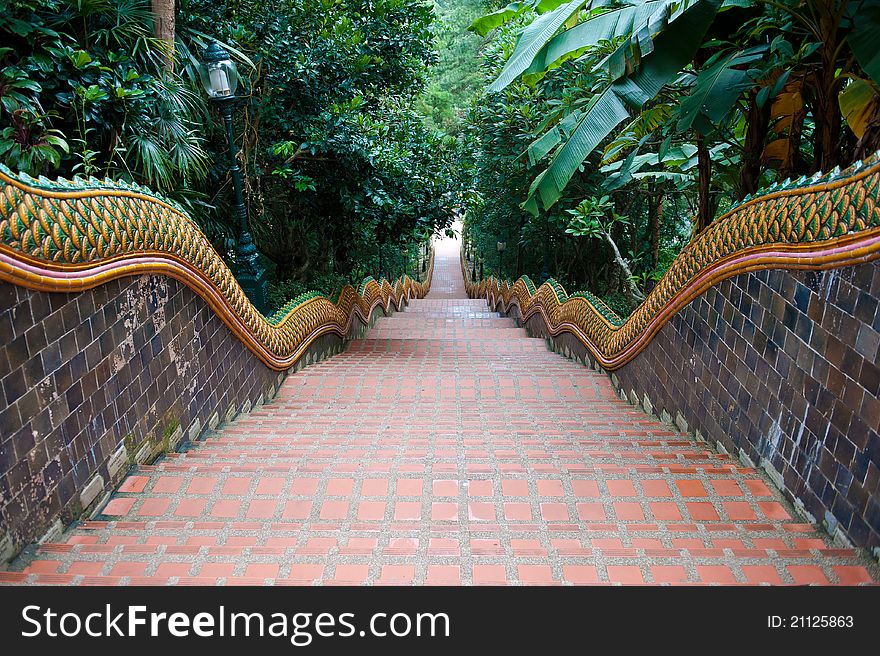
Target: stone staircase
(446,447)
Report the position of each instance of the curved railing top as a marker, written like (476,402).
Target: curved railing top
(825,221)
(71,235)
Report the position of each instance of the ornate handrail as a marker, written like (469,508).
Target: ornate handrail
(823,222)
(73,235)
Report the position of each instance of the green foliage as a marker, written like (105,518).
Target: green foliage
(455,78)
(282,291)
(593,217)
(680,34)
(600,24)
(659,111)
(864,19)
(84,89)
(717,88)
(29,145)
(339,163)
(533,38)
(858,104)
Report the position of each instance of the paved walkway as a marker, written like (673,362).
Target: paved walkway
(447,447)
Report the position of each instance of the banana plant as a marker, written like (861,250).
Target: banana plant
(859,104)
(485,24)
(717,88)
(644,62)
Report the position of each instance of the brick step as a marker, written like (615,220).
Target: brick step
(474,512)
(128,536)
(301,434)
(416,322)
(357,575)
(360,395)
(254,456)
(603,414)
(469,313)
(621,465)
(455,436)
(444,425)
(344,433)
(538,411)
(447,333)
(258,451)
(278,548)
(439,304)
(346,436)
(613,540)
(790,535)
(347,423)
(195,466)
(288,439)
(669,471)
(528,424)
(286,556)
(433,347)
(446,447)
(341,430)
(477,380)
(718,534)
(348,449)
(471,374)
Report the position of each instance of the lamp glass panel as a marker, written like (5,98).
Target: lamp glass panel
(220,78)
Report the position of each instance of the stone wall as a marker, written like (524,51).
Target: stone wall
(93,382)
(781,369)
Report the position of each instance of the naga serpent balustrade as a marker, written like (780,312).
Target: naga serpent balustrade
(72,235)
(822,222)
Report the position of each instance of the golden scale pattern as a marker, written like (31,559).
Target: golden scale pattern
(72,235)
(822,222)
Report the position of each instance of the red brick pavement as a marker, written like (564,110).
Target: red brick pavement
(445,448)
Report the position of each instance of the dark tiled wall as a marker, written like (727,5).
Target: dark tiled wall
(94,381)
(781,367)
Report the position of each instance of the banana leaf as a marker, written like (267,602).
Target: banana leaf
(672,49)
(485,24)
(717,89)
(604,26)
(534,36)
(865,36)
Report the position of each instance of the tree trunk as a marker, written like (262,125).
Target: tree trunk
(704,172)
(634,211)
(870,141)
(163,28)
(655,217)
(757,124)
(827,110)
(519,247)
(632,293)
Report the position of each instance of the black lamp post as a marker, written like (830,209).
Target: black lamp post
(220,79)
(501,245)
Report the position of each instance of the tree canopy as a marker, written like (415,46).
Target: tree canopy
(338,163)
(611,124)
(595,137)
